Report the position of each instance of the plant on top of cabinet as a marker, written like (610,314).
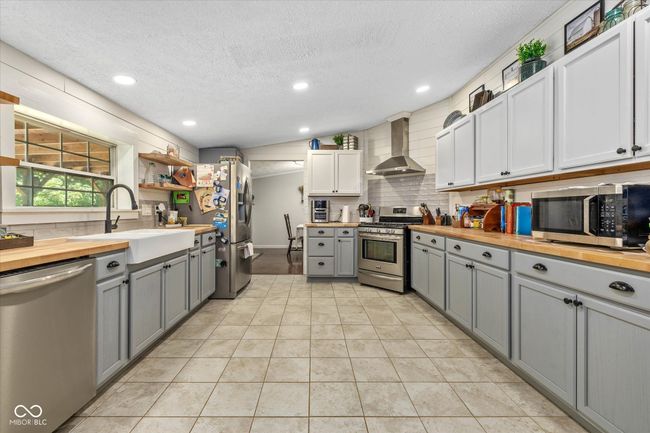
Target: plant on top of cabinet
(338,140)
(530,56)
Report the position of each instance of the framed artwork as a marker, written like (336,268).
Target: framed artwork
(472,96)
(583,27)
(510,75)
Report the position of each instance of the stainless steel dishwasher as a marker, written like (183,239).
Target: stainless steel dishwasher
(47,345)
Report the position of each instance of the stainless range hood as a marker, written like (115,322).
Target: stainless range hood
(399,163)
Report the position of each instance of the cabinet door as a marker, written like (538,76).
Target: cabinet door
(195,278)
(594,117)
(544,335)
(145,308)
(445,159)
(492,140)
(459,290)
(345,264)
(419,270)
(464,152)
(112,327)
(492,307)
(208,272)
(613,366)
(530,125)
(175,281)
(436,277)
(348,172)
(322,172)
(642,62)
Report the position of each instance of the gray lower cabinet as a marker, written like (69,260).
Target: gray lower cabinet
(112,327)
(331,252)
(436,277)
(544,335)
(208,272)
(345,263)
(194,278)
(176,288)
(459,289)
(613,374)
(419,270)
(146,307)
(492,306)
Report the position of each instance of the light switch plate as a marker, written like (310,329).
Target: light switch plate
(146,210)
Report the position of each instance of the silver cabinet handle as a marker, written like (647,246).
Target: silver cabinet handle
(35,283)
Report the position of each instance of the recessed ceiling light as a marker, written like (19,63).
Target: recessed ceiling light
(124,80)
(300,85)
(189,122)
(422,89)
(304,130)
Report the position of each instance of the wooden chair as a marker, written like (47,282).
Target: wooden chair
(291,236)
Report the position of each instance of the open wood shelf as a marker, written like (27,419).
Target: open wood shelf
(164,187)
(7,161)
(8,98)
(161,158)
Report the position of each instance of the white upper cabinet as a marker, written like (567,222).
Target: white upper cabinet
(642,140)
(530,126)
(445,159)
(492,140)
(594,109)
(334,172)
(455,155)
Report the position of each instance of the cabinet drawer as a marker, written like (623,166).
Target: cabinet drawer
(345,232)
(319,232)
(588,279)
(321,247)
(110,265)
(429,240)
(197,241)
(320,266)
(208,238)
(480,253)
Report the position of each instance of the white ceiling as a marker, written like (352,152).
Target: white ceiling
(231,65)
(273,168)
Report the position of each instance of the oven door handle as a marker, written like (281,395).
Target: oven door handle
(383,277)
(380,237)
(586,216)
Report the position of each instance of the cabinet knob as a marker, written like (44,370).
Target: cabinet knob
(621,286)
(346,232)
(540,267)
(321,232)
(196,241)
(457,247)
(417,237)
(113,264)
(502,173)
(621,150)
(577,303)
(425,251)
(487,255)
(433,241)
(636,148)
(321,263)
(568,301)
(339,240)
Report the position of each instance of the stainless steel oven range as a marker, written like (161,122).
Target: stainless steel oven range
(384,248)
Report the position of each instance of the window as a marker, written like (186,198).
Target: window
(60,168)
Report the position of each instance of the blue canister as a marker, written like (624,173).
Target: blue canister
(314,144)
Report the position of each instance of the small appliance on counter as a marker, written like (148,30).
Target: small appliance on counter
(320,211)
(612,215)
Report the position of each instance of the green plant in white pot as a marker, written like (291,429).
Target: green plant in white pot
(530,56)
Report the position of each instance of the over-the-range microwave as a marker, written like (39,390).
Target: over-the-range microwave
(613,215)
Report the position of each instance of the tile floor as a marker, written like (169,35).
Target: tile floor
(328,357)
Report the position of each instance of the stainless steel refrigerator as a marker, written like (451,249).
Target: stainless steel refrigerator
(233,269)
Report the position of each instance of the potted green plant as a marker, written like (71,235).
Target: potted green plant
(338,140)
(530,56)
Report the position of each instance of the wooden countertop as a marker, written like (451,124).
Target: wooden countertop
(198,228)
(333,225)
(635,260)
(55,250)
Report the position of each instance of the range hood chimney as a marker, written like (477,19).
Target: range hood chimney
(399,163)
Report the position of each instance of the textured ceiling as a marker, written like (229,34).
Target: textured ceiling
(274,168)
(231,65)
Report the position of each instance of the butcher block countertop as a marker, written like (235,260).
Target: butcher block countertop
(632,259)
(199,229)
(55,250)
(333,225)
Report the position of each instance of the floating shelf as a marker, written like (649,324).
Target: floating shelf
(164,187)
(8,98)
(7,161)
(161,158)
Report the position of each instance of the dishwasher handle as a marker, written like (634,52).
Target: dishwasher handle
(36,283)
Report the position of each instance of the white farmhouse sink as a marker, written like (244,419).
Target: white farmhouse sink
(147,244)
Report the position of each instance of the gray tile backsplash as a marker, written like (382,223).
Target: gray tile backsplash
(407,191)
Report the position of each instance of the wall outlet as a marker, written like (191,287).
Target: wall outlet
(146,210)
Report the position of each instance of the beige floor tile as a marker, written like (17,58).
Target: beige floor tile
(70,424)
(193,332)
(245,370)
(327,332)
(440,348)
(99,399)
(337,425)
(452,332)
(471,348)
(487,399)
(261,332)
(392,332)
(385,399)
(374,370)
(239,319)
(106,425)
(359,332)
(291,349)
(217,349)
(462,369)
(497,371)
(182,400)
(283,399)
(413,319)
(435,399)
(164,425)
(131,399)
(228,332)
(425,332)
(222,425)
(334,399)
(355,319)
(297,318)
(510,425)
(233,399)
(527,398)
(329,349)
(270,318)
(452,425)
(366,349)
(175,349)
(202,370)
(331,370)
(417,370)
(347,302)
(254,349)
(395,425)
(157,369)
(403,349)
(323,301)
(280,425)
(325,318)
(559,424)
(288,370)
(294,332)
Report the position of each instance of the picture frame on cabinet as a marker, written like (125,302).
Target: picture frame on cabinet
(474,103)
(583,27)
(510,75)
